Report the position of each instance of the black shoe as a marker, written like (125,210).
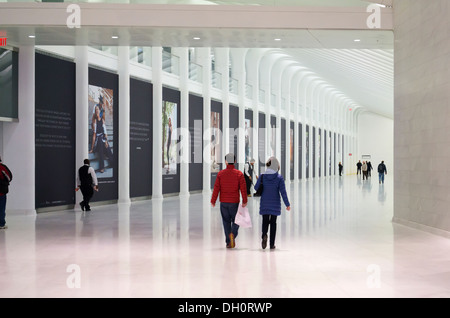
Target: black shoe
(82,205)
(264,241)
(272,247)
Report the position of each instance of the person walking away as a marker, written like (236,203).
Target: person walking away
(369,169)
(270,205)
(364,170)
(5,178)
(87,183)
(229,183)
(358,166)
(249,170)
(341,167)
(382,170)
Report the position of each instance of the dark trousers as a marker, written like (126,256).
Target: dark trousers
(2,210)
(248,183)
(103,150)
(269,220)
(87,192)
(228,211)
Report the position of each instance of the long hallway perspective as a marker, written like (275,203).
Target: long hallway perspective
(338,241)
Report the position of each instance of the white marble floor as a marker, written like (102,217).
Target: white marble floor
(337,241)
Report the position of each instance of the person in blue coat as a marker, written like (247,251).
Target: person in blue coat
(270,204)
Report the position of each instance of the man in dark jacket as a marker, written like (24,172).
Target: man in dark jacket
(5,179)
(382,170)
(229,183)
(358,166)
(87,183)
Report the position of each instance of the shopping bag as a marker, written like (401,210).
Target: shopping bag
(243,217)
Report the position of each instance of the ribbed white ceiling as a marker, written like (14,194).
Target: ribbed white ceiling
(364,75)
(362,71)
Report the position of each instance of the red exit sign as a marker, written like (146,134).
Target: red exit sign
(3,38)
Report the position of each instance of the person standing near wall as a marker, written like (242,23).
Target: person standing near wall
(341,167)
(229,183)
(5,178)
(270,206)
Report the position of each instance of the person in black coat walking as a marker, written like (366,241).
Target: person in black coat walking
(382,170)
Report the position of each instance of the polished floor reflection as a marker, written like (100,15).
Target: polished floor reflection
(337,241)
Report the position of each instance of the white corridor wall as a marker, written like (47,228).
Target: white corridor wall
(376,138)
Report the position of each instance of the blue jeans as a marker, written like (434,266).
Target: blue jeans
(381,177)
(2,209)
(229,211)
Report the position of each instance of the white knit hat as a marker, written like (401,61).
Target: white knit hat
(274,164)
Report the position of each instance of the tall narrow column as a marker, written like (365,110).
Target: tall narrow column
(19,147)
(82,108)
(185,141)
(157,122)
(204,56)
(124,123)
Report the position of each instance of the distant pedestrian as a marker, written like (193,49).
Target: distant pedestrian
(358,166)
(270,205)
(364,170)
(5,178)
(249,171)
(341,167)
(369,169)
(229,183)
(382,170)
(87,183)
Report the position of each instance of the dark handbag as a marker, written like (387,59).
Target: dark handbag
(4,186)
(260,189)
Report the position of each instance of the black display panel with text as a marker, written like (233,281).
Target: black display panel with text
(141,136)
(314,152)
(217,158)
(291,150)
(273,136)
(325,153)
(262,142)
(307,161)
(196,143)
(319,150)
(283,169)
(234,131)
(300,150)
(248,145)
(171,141)
(55,102)
(9,84)
(103,125)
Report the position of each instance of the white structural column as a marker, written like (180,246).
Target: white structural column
(222,66)
(204,58)
(225,103)
(82,108)
(157,122)
(19,147)
(185,140)
(252,62)
(239,61)
(124,123)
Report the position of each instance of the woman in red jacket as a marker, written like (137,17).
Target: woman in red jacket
(229,183)
(5,179)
